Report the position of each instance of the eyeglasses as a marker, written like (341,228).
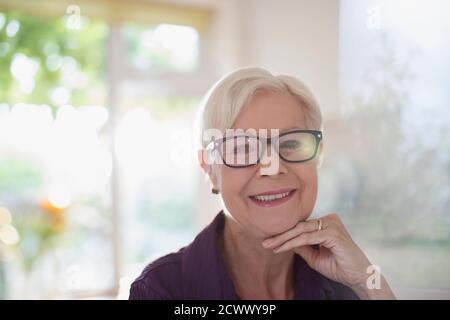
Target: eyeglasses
(247,150)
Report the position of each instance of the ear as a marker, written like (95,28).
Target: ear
(206,166)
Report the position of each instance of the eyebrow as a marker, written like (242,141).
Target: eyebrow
(290,128)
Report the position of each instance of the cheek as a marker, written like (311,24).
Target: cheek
(233,184)
(308,179)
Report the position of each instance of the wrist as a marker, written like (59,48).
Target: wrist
(381,292)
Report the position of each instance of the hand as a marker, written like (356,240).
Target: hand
(339,258)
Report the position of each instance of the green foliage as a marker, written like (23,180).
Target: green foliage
(65,58)
(38,235)
(19,176)
(73,59)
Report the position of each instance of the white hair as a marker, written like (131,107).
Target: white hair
(224,101)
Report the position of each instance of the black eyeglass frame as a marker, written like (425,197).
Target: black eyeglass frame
(318,135)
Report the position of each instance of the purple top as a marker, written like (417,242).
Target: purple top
(197,272)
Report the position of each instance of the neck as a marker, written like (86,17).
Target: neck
(256,271)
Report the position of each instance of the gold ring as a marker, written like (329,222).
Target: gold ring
(320,225)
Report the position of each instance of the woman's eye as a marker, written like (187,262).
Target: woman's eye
(291,144)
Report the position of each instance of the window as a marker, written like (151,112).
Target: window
(393,151)
(54,177)
(87,115)
(161,48)
(156,113)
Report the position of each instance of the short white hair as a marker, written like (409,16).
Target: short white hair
(224,101)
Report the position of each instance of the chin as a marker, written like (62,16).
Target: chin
(277,221)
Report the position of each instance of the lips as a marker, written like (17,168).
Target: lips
(272,198)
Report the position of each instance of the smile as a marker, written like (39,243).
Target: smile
(271,199)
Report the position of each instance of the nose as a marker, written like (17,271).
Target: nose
(271,164)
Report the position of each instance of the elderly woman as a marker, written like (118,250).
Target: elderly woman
(263,245)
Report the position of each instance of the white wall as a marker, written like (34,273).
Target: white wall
(297,37)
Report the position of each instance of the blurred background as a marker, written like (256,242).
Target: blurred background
(97,152)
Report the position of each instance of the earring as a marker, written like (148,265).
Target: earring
(215,191)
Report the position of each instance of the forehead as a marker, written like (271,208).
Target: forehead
(272,110)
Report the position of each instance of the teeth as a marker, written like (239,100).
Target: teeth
(271,197)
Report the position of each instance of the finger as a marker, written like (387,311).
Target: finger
(304,226)
(336,220)
(308,254)
(326,238)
